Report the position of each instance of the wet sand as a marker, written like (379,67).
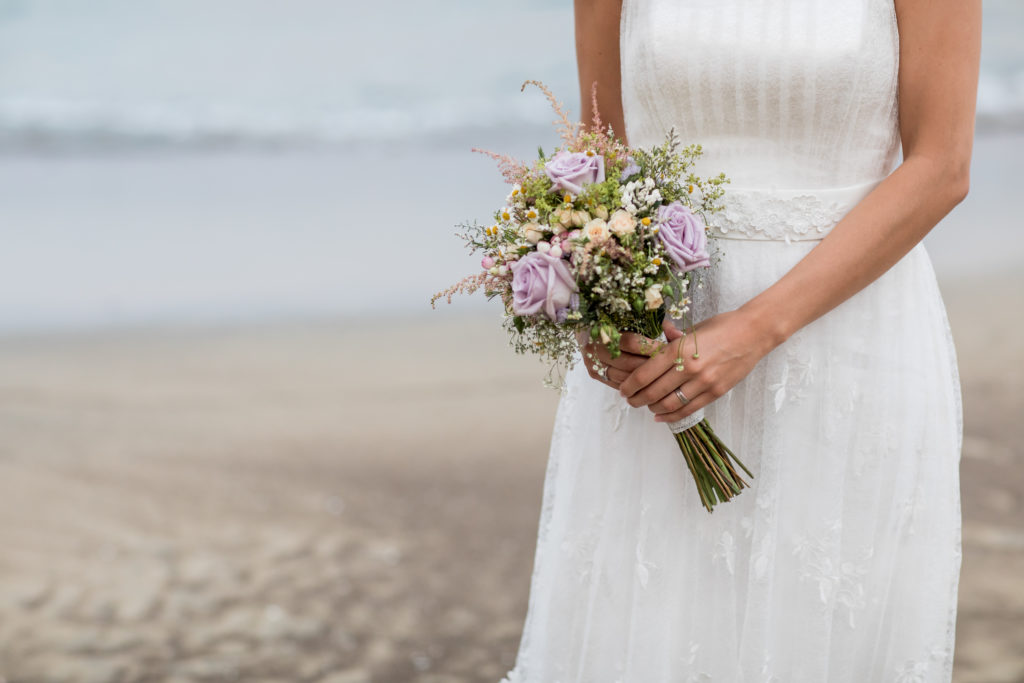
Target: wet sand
(343,502)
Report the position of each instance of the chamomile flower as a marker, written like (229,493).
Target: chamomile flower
(516,195)
(531,214)
(505,214)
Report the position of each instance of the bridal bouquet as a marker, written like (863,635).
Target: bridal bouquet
(602,238)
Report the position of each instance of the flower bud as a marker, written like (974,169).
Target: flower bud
(580,218)
(532,233)
(543,247)
(601,212)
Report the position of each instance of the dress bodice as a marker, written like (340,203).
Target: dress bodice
(780,93)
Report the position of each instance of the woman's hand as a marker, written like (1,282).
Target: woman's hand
(730,345)
(616,369)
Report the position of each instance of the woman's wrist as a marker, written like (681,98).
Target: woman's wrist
(769,327)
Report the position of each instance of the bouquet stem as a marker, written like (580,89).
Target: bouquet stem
(710,461)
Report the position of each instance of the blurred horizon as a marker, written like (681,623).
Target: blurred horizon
(177,162)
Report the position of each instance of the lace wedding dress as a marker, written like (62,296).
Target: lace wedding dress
(841,563)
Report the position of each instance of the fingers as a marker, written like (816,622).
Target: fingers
(648,373)
(616,376)
(671,331)
(671,403)
(640,345)
(662,388)
(626,361)
(612,377)
(698,402)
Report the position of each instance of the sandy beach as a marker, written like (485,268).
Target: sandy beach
(350,501)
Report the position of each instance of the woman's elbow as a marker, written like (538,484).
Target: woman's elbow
(960,184)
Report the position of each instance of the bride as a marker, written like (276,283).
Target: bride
(826,360)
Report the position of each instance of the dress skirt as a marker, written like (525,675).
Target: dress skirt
(840,563)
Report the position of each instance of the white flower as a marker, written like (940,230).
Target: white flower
(653,297)
(516,195)
(622,223)
(605,338)
(652,197)
(531,214)
(596,230)
(505,214)
(543,247)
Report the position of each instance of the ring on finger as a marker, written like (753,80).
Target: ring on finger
(681,396)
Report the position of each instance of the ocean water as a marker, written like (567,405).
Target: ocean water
(210,160)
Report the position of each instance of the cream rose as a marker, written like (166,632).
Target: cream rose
(622,223)
(532,232)
(653,297)
(596,230)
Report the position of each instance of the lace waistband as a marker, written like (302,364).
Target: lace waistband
(784,215)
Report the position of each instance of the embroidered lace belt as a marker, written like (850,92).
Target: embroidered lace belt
(784,215)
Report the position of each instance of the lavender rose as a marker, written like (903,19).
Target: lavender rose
(570,171)
(541,281)
(682,233)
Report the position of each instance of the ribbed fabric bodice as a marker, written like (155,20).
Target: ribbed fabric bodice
(780,93)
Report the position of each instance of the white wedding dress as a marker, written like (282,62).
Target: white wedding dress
(841,563)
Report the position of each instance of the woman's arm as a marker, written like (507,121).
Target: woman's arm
(597,59)
(940,42)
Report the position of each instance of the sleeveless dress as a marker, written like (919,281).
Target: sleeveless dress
(840,564)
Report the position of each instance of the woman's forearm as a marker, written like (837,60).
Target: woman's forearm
(597,60)
(869,240)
